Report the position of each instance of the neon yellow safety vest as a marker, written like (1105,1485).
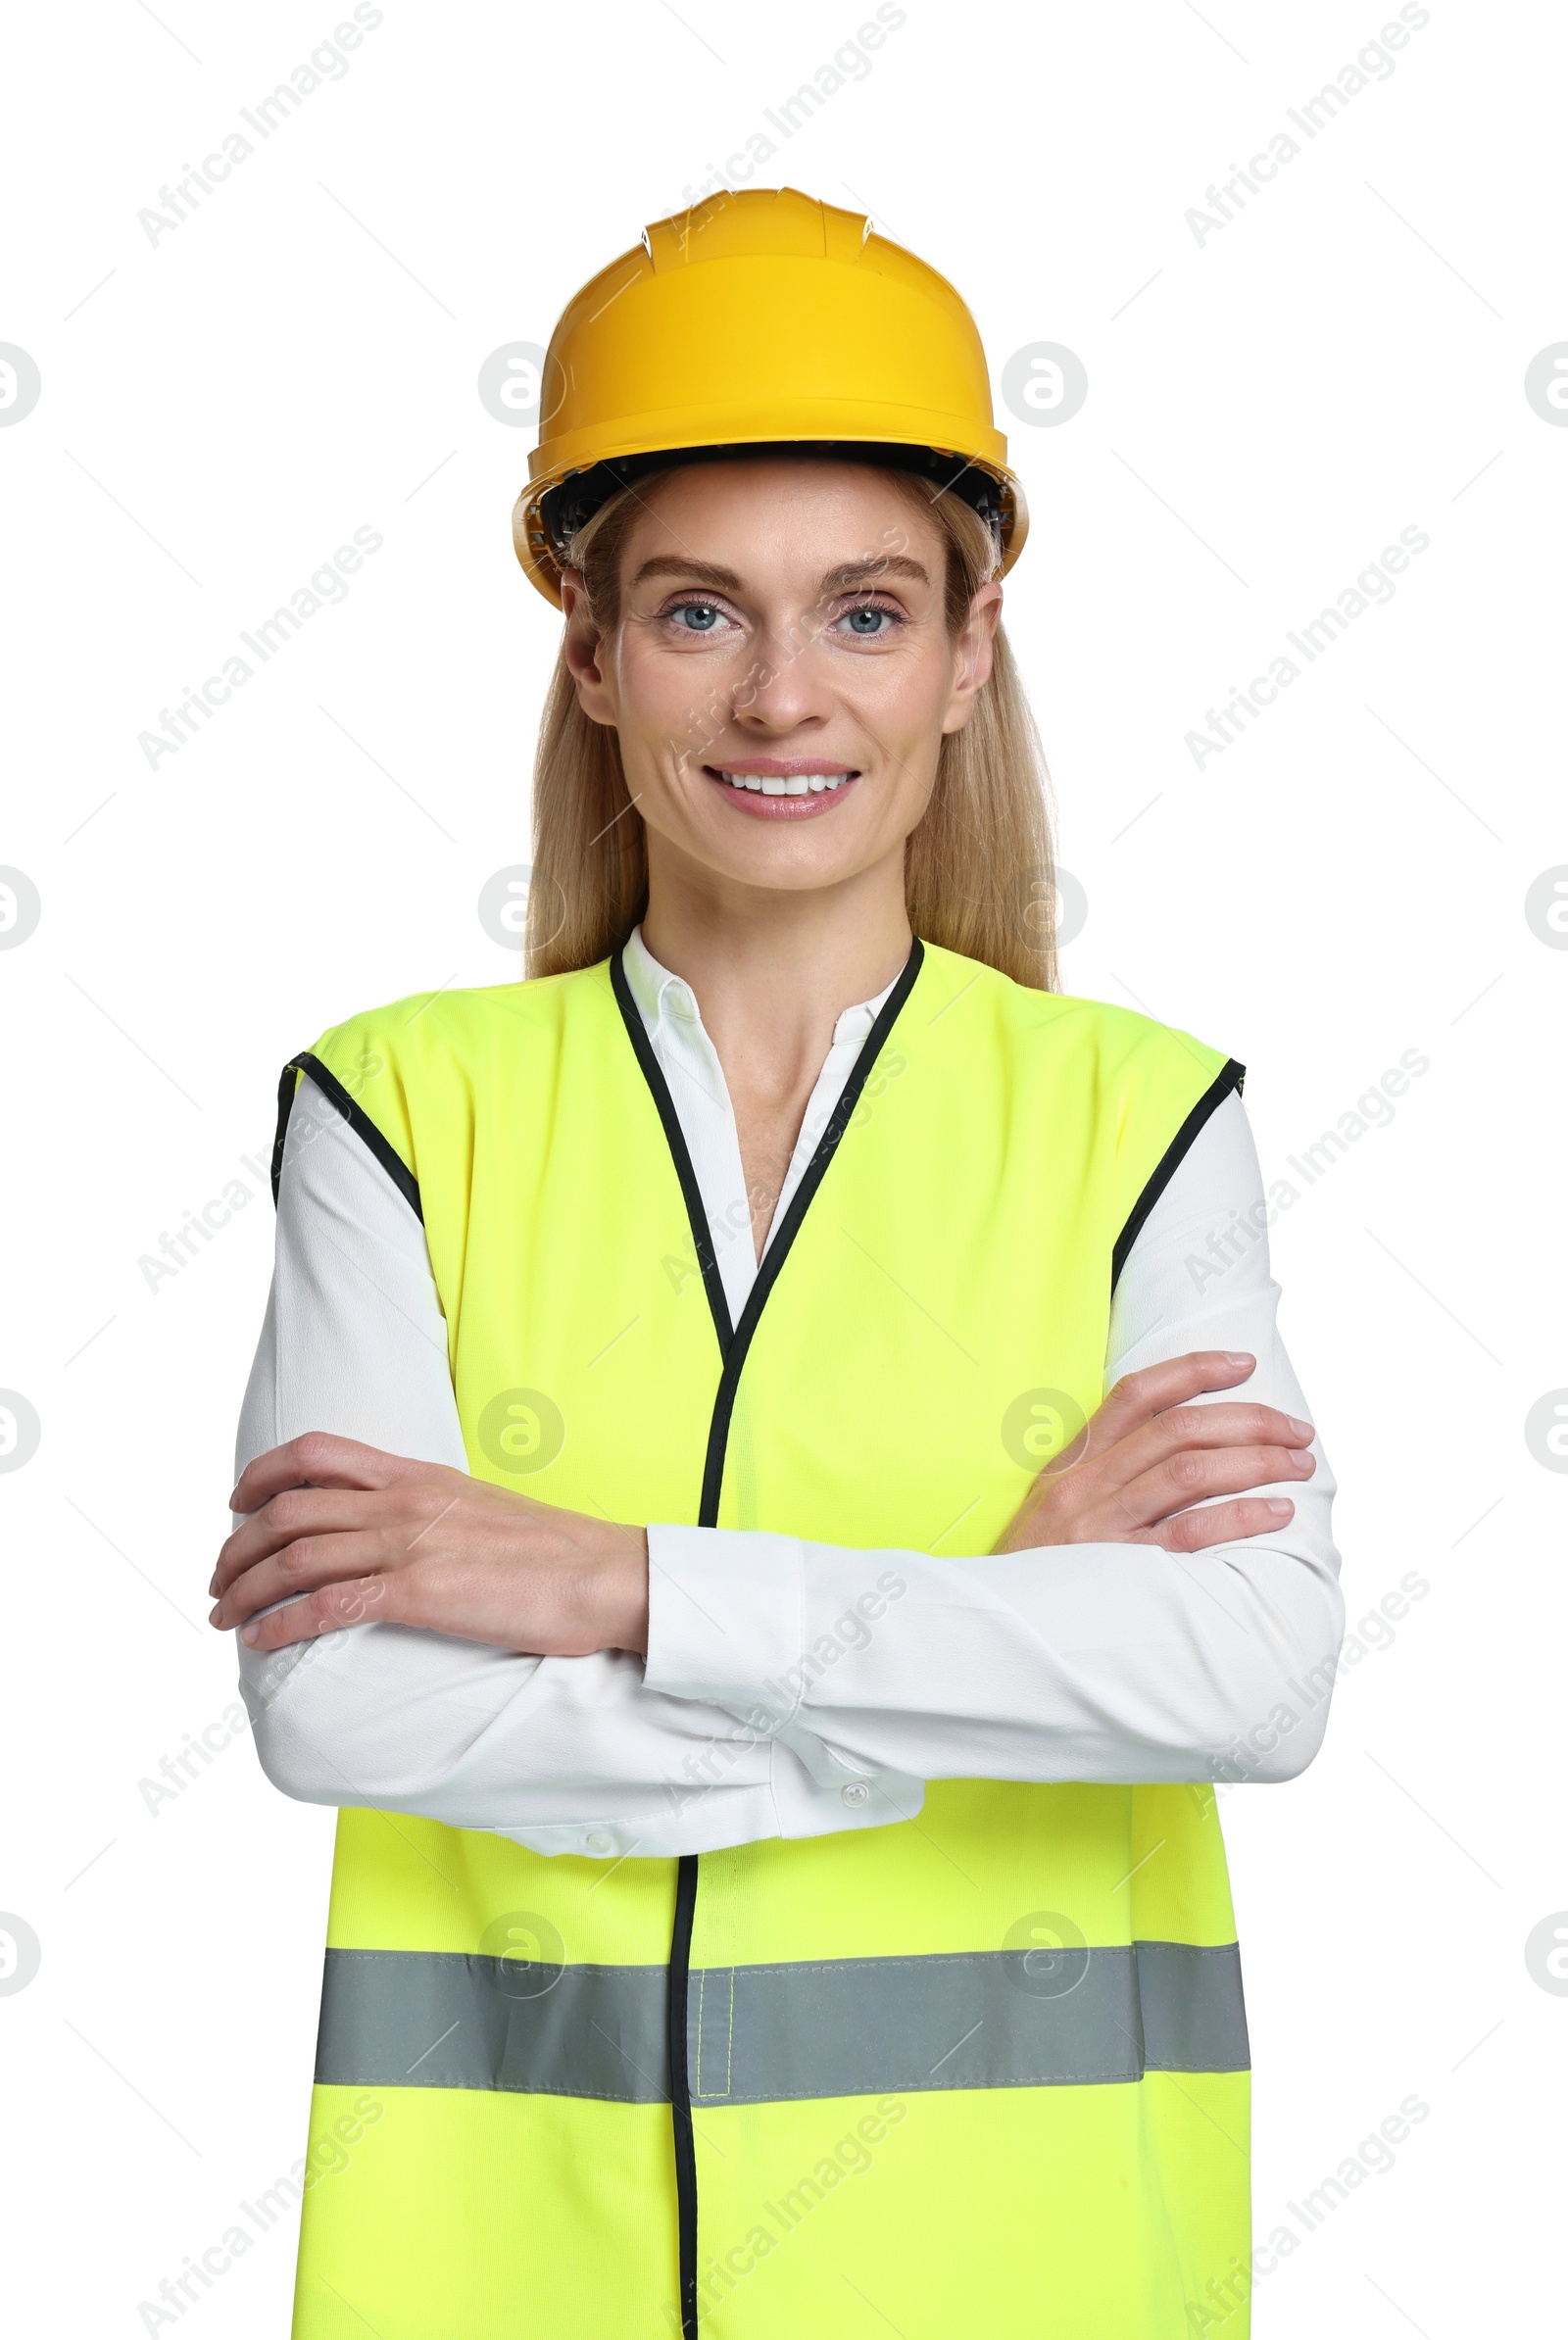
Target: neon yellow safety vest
(981,2073)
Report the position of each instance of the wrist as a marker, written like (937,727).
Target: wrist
(618,1592)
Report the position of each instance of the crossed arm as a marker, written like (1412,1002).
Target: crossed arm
(500,1663)
(345,1534)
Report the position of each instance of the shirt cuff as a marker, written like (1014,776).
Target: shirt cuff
(725,1620)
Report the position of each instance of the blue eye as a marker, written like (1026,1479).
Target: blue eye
(698,617)
(868,622)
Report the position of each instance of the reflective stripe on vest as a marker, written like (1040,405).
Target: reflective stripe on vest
(928,1325)
(851,2026)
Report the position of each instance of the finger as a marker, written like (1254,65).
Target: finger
(1195,1475)
(306,1565)
(1220,1522)
(1183,1427)
(319,1459)
(1078,1493)
(360,1600)
(303,1511)
(1139,1396)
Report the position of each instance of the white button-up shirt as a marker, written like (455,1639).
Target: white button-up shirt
(790,1688)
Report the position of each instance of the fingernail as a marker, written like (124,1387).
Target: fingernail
(1303,1430)
(1278,1505)
(212,1587)
(1240,1356)
(212,1612)
(249,1635)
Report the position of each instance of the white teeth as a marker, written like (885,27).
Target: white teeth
(800,784)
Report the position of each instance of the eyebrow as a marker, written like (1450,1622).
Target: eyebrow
(669,564)
(844,578)
(881,565)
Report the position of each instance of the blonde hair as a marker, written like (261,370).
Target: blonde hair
(979,870)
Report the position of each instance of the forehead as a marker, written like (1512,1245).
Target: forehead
(793,518)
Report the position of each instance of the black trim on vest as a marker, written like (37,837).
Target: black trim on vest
(653,1074)
(1229,1077)
(680,2089)
(778,1249)
(338,1097)
(733,1346)
(287,1083)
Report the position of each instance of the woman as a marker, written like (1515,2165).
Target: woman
(772,1687)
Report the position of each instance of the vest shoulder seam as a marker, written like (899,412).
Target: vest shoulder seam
(1134,1028)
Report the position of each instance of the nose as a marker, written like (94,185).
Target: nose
(784,687)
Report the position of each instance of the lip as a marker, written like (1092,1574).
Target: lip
(755,807)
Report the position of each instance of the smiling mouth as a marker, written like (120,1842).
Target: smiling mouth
(780,784)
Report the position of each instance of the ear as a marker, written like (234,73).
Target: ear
(583,649)
(972,656)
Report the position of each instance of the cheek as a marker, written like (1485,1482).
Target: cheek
(668,697)
(899,701)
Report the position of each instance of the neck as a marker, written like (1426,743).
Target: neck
(774,969)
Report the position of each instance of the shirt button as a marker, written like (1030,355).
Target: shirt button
(855,1794)
(599,1843)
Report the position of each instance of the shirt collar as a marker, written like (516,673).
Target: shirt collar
(658,994)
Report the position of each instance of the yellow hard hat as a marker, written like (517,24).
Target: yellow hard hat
(758,320)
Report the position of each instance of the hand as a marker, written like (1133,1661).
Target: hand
(376,1537)
(1146,1454)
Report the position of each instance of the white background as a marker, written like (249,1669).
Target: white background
(1267,408)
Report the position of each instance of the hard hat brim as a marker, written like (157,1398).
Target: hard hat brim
(539,538)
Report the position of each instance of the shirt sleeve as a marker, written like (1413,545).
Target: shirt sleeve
(1102,1662)
(562,1754)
